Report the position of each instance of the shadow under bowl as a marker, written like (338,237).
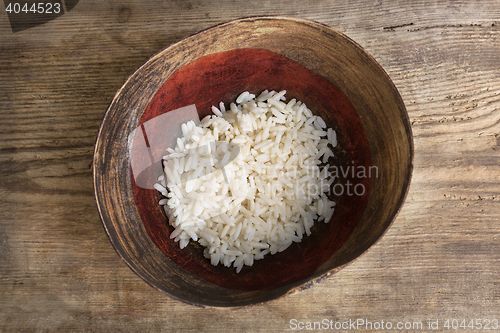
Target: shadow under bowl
(315,64)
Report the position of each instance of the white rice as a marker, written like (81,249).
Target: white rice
(263,200)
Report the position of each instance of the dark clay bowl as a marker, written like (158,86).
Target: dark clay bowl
(315,64)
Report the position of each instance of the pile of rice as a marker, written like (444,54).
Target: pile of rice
(263,200)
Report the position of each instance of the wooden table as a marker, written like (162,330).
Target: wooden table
(440,260)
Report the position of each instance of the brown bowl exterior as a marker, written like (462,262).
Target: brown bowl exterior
(368,113)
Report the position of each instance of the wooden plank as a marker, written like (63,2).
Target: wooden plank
(439,260)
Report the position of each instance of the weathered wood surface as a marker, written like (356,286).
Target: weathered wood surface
(439,260)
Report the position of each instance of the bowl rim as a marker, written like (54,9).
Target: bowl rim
(301,285)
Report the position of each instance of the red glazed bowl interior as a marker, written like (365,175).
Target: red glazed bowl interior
(222,77)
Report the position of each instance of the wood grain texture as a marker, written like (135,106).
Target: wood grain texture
(440,259)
